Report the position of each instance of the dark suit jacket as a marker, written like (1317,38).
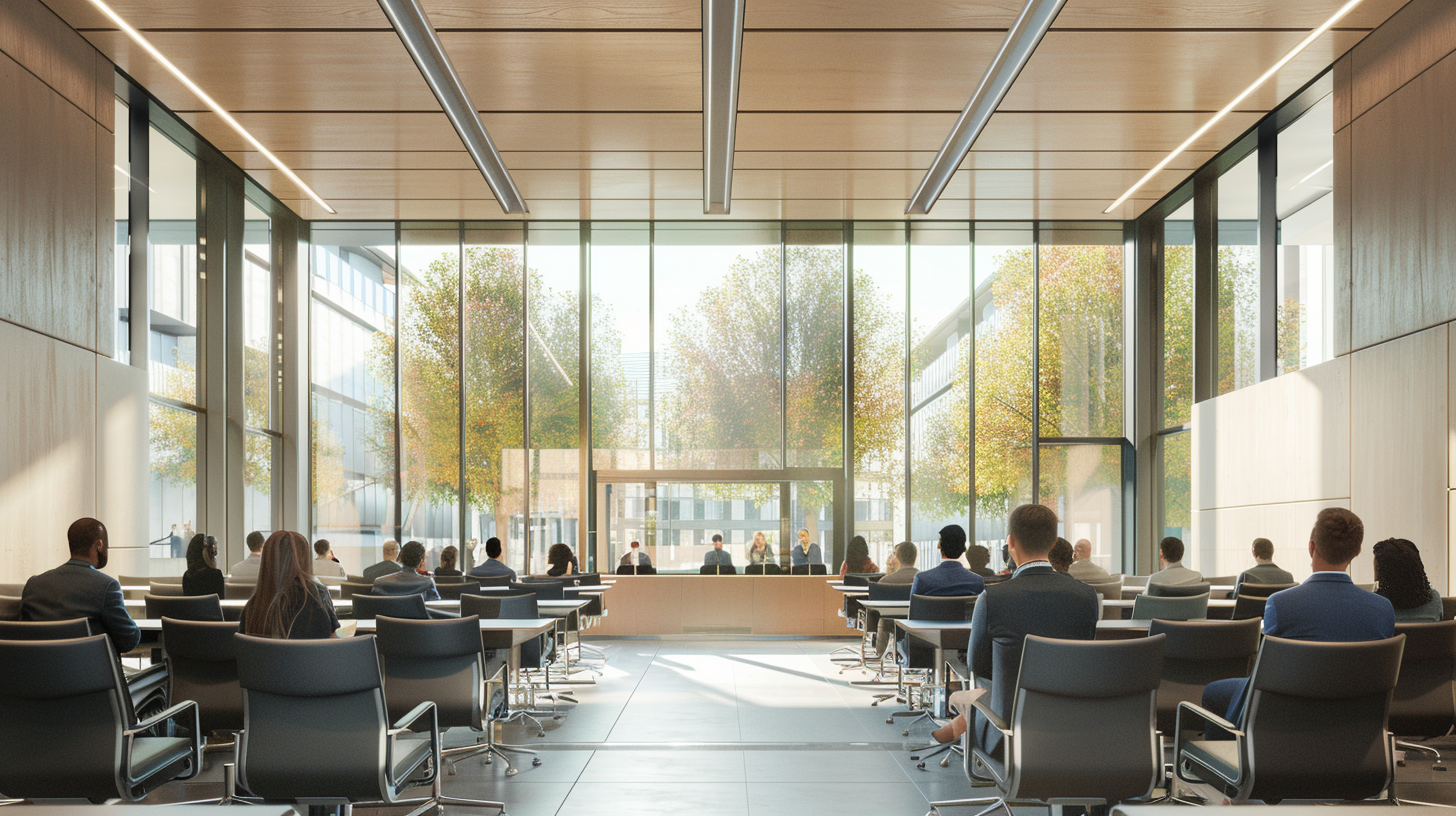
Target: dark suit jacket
(381,569)
(1329,607)
(1036,601)
(491,567)
(203,582)
(406,582)
(798,558)
(949,578)
(1263,574)
(718,558)
(76,589)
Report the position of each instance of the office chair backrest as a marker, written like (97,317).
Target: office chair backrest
(1221,580)
(1248,607)
(1315,719)
(492,580)
(447,579)
(9,607)
(941,608)
(1179,591)
(862,578)
(202,666)
(881,591)
(1370,587)
(544,590)
(1109,591)
(12,590)
(297,692)
(349,589)
(1197,653)
(390,606)
(45,630)
(133,580)
(1424,703)
(186,607)
(433,660)
(589,579)
(498,605)
(453,591)
(238,591)
(809,569)
(163,588)
(1448,608)
(1261,590)
(1072,694)
(1154,607)
(167,579)
(62,713)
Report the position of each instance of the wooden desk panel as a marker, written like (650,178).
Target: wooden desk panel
(723,604)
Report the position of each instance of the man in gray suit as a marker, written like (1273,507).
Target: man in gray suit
(406,581)
(79,589)
(906,553)
(246,570)
(389,565)
(1264,571)
(1082,567)
(1173,573)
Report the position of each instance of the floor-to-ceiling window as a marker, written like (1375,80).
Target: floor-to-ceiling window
(1237,342)
(1175,405)
(1306,260)
(262,440)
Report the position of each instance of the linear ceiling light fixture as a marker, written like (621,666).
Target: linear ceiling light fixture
(146,45)
(1021,41)
(424,47)
(722,56)
(1227,109)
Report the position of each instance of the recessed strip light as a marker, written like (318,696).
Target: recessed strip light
(209,102)
(1021,41)
(1227,109)
(722,56)
(424,47)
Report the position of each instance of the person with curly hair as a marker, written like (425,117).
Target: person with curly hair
(562,561)
(1400,577)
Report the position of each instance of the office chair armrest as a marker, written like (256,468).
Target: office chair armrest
(992,717)
(172,713)
(403,725)
(1206,716)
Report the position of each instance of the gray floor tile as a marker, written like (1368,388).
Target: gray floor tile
(664,798)
(889,798)
(648,767)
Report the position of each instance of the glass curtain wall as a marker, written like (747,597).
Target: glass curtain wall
(1174,441)
(1237,343)
(1306,212)
(261,380)
(121,192)
(553,340)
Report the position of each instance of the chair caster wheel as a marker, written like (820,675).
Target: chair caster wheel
(512,772)
(875,704)
(535,761)
(541,733)
(905,733)
(889,721)
(450,768)
(945,763)
(921,766)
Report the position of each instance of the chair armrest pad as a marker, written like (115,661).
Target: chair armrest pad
(409,719)
(1206,716)
(163,716)
(992,717)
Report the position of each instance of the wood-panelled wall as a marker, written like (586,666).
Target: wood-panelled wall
(73,423)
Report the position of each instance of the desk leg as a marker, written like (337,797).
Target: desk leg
(939,703)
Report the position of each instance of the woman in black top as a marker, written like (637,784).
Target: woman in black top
(202,576)
(447,563)
(288,602)
(561,559)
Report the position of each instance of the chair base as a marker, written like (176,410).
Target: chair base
(993,802)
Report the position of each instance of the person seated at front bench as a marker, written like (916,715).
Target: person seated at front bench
(758,551)
(718,557)
(288,603)
(857,558)
(562,561)
(806,553)
(408,581)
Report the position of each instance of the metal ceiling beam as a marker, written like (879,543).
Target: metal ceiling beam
(722,57)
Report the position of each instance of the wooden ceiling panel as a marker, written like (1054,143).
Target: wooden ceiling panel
(836,14)
(371,71)
(863,70)
(1167,70)
(1245,14)
(445,14)
(460,160)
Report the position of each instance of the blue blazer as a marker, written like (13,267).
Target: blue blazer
(950,578)
(1329,607)
(797,558)
(76,589)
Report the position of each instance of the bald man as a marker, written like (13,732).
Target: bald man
(1082,567)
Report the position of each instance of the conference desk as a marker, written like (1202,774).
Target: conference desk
(694,604)
(556,609)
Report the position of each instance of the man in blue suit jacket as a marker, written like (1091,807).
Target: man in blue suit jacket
(951,577)
(79,589)
(1327,607)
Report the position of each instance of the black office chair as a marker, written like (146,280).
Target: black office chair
(763,569)
(440,662)
(1313,725)
(186,607)
(1197,653)
(202,666)
(809,569)
(536,655)
(1180,591)
(1082,728)
(238,592)
(1424,703)
(862,578)
(1108,591)
(717,569)
(411,607)
(45,630)
(1262,590)
(349,589)
(159,587)
(316,730)
(582,579)
(453,591)
(492,580)
(643,570)
(17,590)
(1248,607)
(9,608)
(544,590)
(67,730)
(919,657)
(1448,608)
(880,630)
(1175,608)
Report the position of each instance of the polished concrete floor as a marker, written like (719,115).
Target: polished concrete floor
(759,726)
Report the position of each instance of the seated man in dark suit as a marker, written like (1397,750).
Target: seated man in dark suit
(1327,607)
(718,557)
(407,581)
(493,564)
(389,565)
(79,589)
(1264,571)
(1036,600)
(951,577)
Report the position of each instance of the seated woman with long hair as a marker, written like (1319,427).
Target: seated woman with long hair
(758,551)
(857,558)
(288,603)
(561,559)
(447,568)
(202,576)
(1400,577)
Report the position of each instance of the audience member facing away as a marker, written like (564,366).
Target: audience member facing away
(1036,600)
(1264,571)
(563,560)
(407,581)
(1083,568)
(202,576)
(246,570)
(493,564)
(635,557)
(805,552)
(79,589)
(325,565)
(857,558)
(950,577)
(980,559)
(717,557)
(1173,573)
(1327,607)
(390,564)
(288,602)
(1060,555)
(447,566)
(905,555)
(1400,577)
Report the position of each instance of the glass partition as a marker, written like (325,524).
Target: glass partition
(881,258)
(1237,343)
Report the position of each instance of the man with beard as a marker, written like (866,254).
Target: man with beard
(79,589)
